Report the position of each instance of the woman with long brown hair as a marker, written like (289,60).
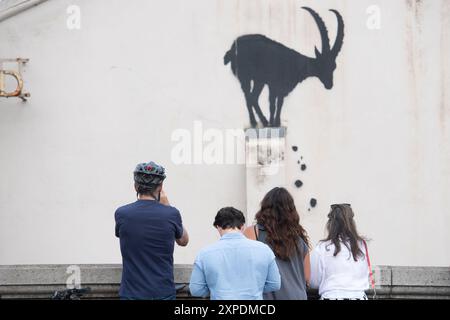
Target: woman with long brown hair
(339,263)
(278,225)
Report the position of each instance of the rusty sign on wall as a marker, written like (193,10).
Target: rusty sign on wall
(16,75)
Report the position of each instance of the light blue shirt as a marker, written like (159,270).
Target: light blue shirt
(235,268)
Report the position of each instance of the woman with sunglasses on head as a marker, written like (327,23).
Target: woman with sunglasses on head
(339,263)
(278,225)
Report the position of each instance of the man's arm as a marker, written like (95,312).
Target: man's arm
(184,240)
(273,280)
(117,224)
(307,268)
(197,284)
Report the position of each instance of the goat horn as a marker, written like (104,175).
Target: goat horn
(322,28)
(340,34)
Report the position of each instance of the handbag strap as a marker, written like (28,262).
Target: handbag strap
(372,280)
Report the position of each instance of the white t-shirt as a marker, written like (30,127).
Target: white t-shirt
(340,276)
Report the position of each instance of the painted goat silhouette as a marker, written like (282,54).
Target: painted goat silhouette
(257,60)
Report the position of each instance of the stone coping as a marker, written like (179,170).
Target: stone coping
(40,281)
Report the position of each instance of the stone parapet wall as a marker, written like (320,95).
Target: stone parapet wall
(41,281)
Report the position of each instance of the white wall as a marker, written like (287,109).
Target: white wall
(110,95)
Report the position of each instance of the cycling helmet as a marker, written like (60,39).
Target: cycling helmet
(149,174)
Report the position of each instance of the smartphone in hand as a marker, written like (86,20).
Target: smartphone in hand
(163,198)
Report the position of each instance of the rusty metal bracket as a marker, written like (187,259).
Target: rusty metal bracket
(17,75)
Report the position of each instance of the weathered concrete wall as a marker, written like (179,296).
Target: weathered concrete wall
(40,282)
(112,93)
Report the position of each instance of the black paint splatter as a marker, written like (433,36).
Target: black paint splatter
(298,183)
(303,167)
(294,148)
(298,161)
(313,202)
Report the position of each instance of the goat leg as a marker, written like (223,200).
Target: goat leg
(272,98)
(245,85)
(256,92)
(280,101)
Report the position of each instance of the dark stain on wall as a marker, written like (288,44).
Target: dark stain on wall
(416,6)
(445,69)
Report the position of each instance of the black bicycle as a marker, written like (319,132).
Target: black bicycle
(71,294)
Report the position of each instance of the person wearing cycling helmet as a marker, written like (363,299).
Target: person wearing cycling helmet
(148,229)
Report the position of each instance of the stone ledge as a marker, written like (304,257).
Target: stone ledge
(40,281)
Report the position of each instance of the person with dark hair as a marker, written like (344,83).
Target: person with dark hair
(278,225)
(147,230)
(234,268)
(339,263)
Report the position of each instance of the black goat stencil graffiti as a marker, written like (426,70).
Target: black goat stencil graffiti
(258,61)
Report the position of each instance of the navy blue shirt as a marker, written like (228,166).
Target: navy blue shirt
(147,230)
